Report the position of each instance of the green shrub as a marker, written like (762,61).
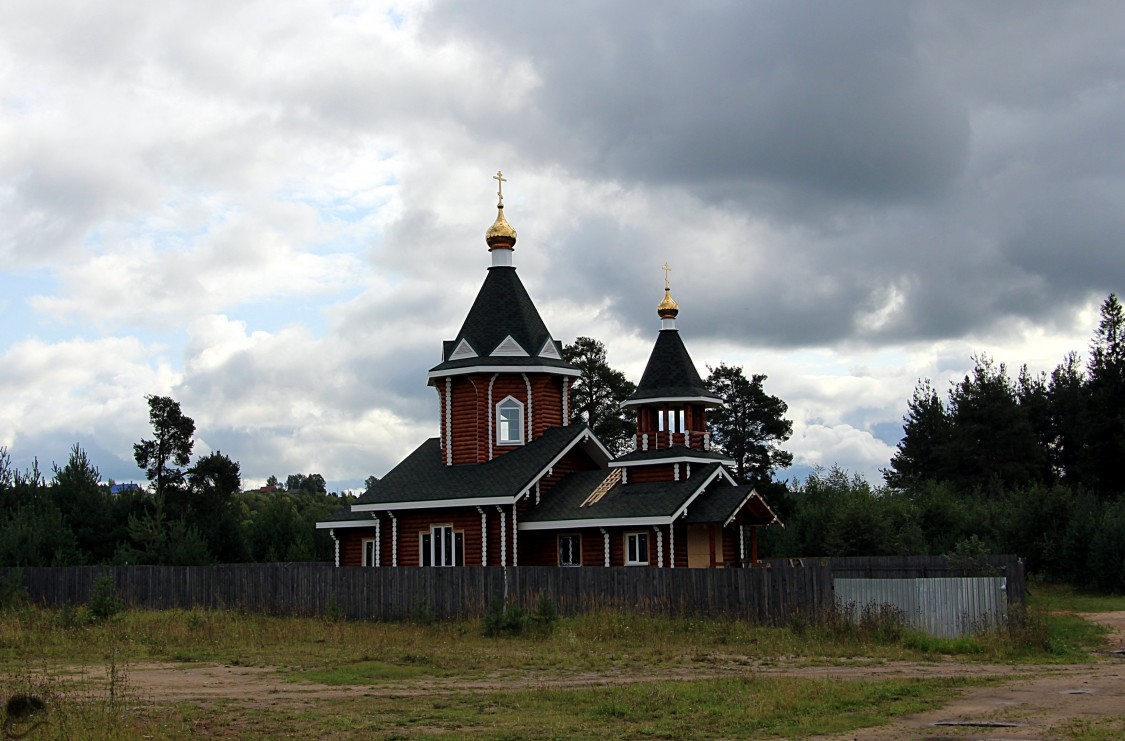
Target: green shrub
(422,613)
(504,618)
(332,612)
(104,602)
(70,617)
(546,613)
(12,591)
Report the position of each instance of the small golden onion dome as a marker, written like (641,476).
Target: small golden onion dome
(668,309)
(500,234)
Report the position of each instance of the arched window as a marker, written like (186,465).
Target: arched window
(509,422)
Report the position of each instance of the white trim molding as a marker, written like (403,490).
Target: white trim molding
(503,537)
(378,539)
(491,433)
(706,400)
(338,524)
(676,459)
(394,539)
(528,436)
(607,522)
(550,350)
(550,370)
(483,536)
(449,421)
(463,350)
(430,504)
(508,347)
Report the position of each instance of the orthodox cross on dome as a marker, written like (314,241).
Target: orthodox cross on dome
(668,308)
(500,180)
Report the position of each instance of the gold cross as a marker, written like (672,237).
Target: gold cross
(667,269)
(500,180)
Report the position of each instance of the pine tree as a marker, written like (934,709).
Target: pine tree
(751,424)
(923,452)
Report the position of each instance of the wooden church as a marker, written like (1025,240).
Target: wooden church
(511,479)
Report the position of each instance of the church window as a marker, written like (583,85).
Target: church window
(369,552)
(570,550)
(442,546)
(671,420)
(509,422)
(636,549)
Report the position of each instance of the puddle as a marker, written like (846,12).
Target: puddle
(978,723)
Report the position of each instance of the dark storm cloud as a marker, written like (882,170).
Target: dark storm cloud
(924,170)
(822,96)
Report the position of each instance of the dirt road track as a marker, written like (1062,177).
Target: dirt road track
(1035,701)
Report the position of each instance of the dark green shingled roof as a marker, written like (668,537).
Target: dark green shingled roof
(676,451)
(424,477)
(725,500)
(656,499)
(670,372)
(502,308)
(346,514)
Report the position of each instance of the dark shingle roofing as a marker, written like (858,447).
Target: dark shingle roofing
(346,514)
(670,373)
(424,477)
(676,451)
(725,501)
(656,499)
(502,308)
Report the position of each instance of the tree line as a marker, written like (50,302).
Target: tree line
(1029,464)
(192,513)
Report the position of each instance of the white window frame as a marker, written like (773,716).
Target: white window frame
(509,403)
(441,546)
(633,550)
(367,552)
(575,549)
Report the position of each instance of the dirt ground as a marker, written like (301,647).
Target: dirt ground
(1034,702)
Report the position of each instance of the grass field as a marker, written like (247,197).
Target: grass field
(81,668)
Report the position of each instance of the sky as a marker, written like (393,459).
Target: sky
(274,212)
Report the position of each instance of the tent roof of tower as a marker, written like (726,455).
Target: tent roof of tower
(503,328)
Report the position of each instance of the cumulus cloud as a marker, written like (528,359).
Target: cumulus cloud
(276,214)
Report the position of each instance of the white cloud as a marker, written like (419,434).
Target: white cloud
(275,213)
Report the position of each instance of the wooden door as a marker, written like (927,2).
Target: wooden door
(698,547)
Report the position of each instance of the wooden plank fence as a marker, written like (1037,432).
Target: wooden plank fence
(926,567)
(771,594)
(768,595)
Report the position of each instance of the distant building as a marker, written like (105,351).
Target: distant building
(118,488)
(511,480)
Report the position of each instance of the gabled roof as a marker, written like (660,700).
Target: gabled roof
(422,480)
(647,503)
(674,454)
(502,317)
(670,374)
(727,503)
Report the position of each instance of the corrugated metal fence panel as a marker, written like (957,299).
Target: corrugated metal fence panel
(946,607)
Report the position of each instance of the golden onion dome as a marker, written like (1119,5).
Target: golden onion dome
(668,308)
(501,233)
